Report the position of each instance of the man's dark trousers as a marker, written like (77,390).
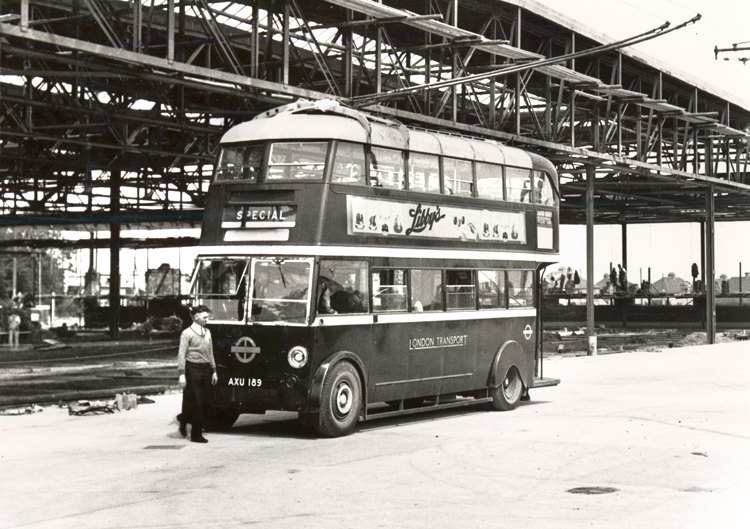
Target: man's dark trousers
(197,392)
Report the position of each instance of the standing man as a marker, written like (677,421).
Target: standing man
(623,278)
(14,324)
(196,365)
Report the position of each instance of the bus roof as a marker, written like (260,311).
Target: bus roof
(328,119)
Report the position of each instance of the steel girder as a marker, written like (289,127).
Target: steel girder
(146,88)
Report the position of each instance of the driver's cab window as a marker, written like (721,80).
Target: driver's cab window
(221,285)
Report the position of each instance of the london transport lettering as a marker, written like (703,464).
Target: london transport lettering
(437,342)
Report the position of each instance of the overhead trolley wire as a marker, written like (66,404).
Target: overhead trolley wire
(359,101)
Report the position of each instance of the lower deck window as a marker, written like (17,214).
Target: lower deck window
(520,288)
(389,290)
(426,290)
(460,290)
(491,289)
(342,287)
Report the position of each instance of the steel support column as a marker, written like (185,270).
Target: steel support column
(590,175)
(709,265)
(624,230)
(114,257)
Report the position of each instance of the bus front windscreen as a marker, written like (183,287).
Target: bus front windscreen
(220,285)
(281,290)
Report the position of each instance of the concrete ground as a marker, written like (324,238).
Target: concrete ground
(666,433)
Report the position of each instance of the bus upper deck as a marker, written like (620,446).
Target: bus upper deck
(318,173)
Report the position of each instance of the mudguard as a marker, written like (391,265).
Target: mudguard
(316,388)
(512,354)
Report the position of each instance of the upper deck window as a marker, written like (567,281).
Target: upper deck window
(543,191)
(458,178)
(387,168)
(294,161)
(424,172)
(240,163)
(490,181)
(349,165)
(518,182)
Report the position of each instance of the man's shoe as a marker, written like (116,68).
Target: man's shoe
(183,429)
(199,440)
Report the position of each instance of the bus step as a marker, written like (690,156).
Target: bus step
(389,412)
(545,382)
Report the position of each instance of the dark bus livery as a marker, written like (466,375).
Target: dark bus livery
(358,268)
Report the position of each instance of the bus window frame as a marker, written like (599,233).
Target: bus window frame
(377,269)
(474,291)
(319,291)
(443,186)
(326,162)
(412,302)
(404,168)
(439,190)
(502,181)
(250,298)
(331,160)
(263,163)
(533,301)
(502,297)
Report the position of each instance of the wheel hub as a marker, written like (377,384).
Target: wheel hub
(344,399)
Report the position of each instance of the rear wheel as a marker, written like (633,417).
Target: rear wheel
(506,396)
(341,401)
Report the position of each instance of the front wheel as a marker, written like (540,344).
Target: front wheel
(507,396)
(341,401)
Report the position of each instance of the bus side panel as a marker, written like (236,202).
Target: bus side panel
(461,340)
(493,334)
(389,365)
(424,359)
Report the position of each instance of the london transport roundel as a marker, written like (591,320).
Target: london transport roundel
(527,332)
(245,350)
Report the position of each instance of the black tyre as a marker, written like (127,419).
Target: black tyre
(507,396)
(341,401)
(221,418)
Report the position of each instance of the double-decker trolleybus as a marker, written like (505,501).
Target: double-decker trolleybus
(358,268)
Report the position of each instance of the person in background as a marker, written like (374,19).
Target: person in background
(613,279)
(14,324)
(197,368)
(623,275)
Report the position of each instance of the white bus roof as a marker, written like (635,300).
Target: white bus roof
(327,119)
